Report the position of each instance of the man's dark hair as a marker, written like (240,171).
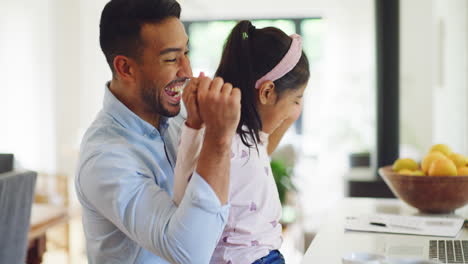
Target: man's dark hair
(121,22)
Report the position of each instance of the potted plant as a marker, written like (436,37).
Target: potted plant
(282,175)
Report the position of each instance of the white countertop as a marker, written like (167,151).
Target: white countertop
(332,241)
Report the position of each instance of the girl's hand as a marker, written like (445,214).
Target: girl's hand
(278,133)
(189,97)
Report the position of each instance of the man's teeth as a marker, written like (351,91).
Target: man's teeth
(175,89)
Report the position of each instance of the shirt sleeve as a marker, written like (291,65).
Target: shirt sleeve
(187,156)
(124,192)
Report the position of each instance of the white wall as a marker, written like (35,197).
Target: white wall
(417,73)
(207,10)
(40,73)
(434,53)
(67,61)
(27,91)
(451,86)
(94,69)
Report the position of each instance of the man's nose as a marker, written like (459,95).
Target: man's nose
(185,70)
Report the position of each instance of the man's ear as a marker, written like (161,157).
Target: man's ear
(124,68)
(267,93)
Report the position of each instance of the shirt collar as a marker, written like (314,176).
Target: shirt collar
(129,119)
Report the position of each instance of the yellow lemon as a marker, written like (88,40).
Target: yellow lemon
(458,159)
(405,172)
(401,164)
(427,161)
(463,171)
(443,167)
(442,148)
(418,173)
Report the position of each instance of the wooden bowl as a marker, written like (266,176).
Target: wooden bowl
(429,194)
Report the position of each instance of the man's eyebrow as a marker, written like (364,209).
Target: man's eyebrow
(300,96)
(169,50)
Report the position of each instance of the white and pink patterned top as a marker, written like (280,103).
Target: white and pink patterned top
(253,228)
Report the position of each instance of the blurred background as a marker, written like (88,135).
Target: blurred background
(53,72)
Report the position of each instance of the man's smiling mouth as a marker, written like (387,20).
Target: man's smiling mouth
(174,90)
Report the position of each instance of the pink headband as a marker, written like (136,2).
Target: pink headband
(287,63)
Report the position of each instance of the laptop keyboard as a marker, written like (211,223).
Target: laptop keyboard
(449,251)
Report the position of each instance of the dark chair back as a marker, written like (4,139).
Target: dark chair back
(6,162)
(16,198)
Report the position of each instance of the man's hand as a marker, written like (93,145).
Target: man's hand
(219,107)
(190,100)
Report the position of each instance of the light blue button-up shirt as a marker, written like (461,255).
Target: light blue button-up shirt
(124,182)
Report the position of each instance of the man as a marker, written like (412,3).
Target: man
(125,175)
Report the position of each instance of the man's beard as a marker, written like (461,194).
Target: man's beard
(152,100)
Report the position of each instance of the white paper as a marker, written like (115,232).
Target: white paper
(415,225)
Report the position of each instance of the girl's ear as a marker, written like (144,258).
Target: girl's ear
(267,93)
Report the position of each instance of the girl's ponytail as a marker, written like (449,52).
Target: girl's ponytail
(236,67)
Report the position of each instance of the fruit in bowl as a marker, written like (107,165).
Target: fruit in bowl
(430,158)
(440,185)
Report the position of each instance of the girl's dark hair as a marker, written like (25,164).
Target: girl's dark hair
(249,54)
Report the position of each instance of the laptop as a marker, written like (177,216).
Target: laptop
(449,251)
(441,249)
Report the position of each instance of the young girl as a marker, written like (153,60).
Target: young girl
(272,72)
